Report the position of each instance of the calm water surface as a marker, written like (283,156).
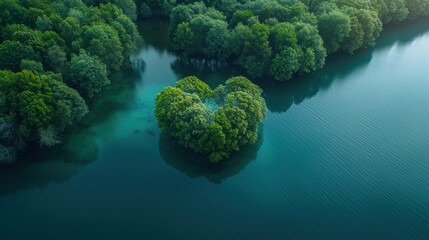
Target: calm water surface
(343,154)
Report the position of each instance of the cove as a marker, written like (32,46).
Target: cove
(343,154)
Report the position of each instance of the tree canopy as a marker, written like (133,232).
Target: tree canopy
(282,38)
(183,111)
(53,55)
(35,107)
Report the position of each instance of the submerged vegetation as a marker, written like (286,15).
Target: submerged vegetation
(54,55)
(181,112)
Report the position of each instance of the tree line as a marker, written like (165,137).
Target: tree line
(281,38)
(54,57)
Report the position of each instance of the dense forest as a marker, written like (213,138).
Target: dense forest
(276,38)
(282,38)
(57,55)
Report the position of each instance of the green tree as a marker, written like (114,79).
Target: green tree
(88,74)
(70,29)
(145,10)
(285,64)
(128,35)
(184,13)
(12,52)
(11,11)
(69,107)
(314,53)
(417,8)
(103,41)
(128,7)
(193,85)
(184,37)
(56,59)
(36,106)
(334,27)
(31,65)
(214,143)
(355,38)
(44,23)
(252,47)
(241,16)
(218,40)
(29,98)
(391,10)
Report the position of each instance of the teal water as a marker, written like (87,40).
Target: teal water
(343,154)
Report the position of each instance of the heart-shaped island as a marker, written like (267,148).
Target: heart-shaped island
(212,122)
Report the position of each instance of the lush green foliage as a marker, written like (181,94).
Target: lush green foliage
(43,42)
(87,74)
(182,112)
(35,107)
(281,38)
(50,32)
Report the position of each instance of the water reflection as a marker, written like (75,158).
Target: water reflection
(154,33)
(280,96)
(409,31)
(114,97)
(138,65)
(39,168)
(183,67)
(195,165)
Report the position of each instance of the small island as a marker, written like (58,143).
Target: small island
(212,122)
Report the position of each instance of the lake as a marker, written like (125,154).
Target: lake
(343,154)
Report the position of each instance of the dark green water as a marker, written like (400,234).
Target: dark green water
(344,154)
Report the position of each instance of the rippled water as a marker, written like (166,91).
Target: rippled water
(343,154)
